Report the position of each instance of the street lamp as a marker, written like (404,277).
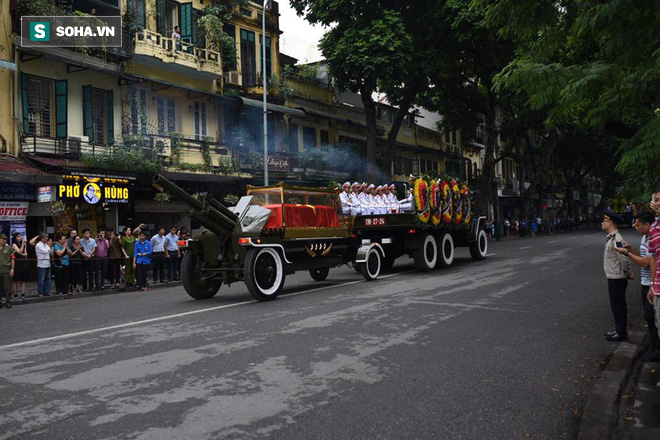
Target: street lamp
(264,74)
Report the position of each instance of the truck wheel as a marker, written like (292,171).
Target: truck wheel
(479,249)
(358,267)
(446,250)
(388,262)
(319,274)
(264,273)
(371,267)
(426,257)
(197,286)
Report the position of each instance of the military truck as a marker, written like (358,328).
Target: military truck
(440,219)
(272,232)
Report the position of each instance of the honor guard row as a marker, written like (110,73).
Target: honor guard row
(368,199)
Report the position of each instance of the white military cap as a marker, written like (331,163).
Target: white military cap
(355,184)
(370,187)
(346,184)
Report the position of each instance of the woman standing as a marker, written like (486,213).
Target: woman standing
(128,242)
(61,265)
(75,265)
(116,254)
(21,265)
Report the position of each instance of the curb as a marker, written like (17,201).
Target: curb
(601,413)
(54,297)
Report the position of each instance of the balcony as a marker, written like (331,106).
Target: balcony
(72,147)
(310,89)
(154,50)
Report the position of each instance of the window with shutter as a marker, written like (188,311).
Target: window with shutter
(61,102)
(230,30)
(200,120)
(39,102)
(138,111)
(166,115)
(186,22)
(248,60)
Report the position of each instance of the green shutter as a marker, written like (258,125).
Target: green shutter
(111,118)
(61,97)
(186,21)
(88,128)
(142,13)
(26,116)
(160,19)
(269,58)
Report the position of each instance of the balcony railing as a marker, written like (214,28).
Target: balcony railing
(69,147)
(310,89)
(177,48)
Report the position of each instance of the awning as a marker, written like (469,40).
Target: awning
(272,107)
(316,113)
(14,169)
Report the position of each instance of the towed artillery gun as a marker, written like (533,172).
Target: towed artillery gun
(272,232)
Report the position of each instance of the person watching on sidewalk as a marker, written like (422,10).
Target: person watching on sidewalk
(18,243)
(173,254)
(75,265)
(617,272)
(6,268)
(142,260)
(44,250)
(116,255)
(89,264)
(128,242)
(61,266)
(653,296)
(159,252)
(640,256)
(101,254)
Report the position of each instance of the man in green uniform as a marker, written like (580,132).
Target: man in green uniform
(6,268)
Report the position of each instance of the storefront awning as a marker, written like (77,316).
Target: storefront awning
(272,107)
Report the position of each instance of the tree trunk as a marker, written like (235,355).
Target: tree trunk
(405,104)
(488,184)
(372,139)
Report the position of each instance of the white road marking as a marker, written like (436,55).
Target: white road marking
(178,315)
(525,247)
(554,241)
(572,238)
(490,255)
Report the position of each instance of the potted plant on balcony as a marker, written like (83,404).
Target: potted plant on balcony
(56,208)
(162,197)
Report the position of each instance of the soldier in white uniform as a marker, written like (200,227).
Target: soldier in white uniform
(394,202)
(363,197)
(344,197)
(356,206)
(381,206)
(371,197)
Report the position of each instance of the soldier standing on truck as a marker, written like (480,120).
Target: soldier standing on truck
(356,206)
(344,198)
(394,202)
(363,197)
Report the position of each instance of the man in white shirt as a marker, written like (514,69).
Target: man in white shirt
(89,263)
(356,207)
(173,254)
(44,251)
(159,254)
(363,197)
(394,201)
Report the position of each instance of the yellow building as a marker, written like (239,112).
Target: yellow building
(7,79)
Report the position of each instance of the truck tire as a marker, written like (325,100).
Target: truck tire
(264,273)
(195,285)
(388,262)
(479,249)
(446,250)
(427,257)
(372,265)
(319,274)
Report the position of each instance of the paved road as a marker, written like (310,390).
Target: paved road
(500,349)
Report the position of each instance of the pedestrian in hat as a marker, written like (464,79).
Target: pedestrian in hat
(6,268)
(618,272)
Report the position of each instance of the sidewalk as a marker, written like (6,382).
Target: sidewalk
(32,296)
(625,403)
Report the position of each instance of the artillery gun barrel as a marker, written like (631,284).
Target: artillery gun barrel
(203,211)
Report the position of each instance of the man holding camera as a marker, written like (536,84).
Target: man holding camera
(618,272)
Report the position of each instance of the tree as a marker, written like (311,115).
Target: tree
(597,64)
(379,45)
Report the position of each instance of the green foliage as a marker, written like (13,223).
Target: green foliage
(41,8)
(278,86)
(176,142)
(125,159)
(205,149)
(313,158)
(230,91)
(212,22)
(231,199)
(162,197)
(226,164)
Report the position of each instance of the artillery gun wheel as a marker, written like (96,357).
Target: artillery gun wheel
(371,267)
(446,250)
(427,257)
(319,274)
(479,249)
(264,273)
(197,286)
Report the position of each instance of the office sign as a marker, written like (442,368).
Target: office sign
(13,211)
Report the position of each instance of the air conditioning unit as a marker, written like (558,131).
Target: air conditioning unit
(74,144)
(232,78)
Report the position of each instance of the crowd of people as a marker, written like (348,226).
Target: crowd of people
(80,263)
(617,259)
(531,226)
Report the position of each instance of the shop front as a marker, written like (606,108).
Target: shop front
(92,201)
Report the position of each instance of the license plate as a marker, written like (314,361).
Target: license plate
(375,221)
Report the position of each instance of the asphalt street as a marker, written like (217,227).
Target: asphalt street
(504,348)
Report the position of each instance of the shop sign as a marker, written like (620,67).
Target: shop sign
(95,190)
(278,163)
(13,211)
(45,194)
(17,191)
